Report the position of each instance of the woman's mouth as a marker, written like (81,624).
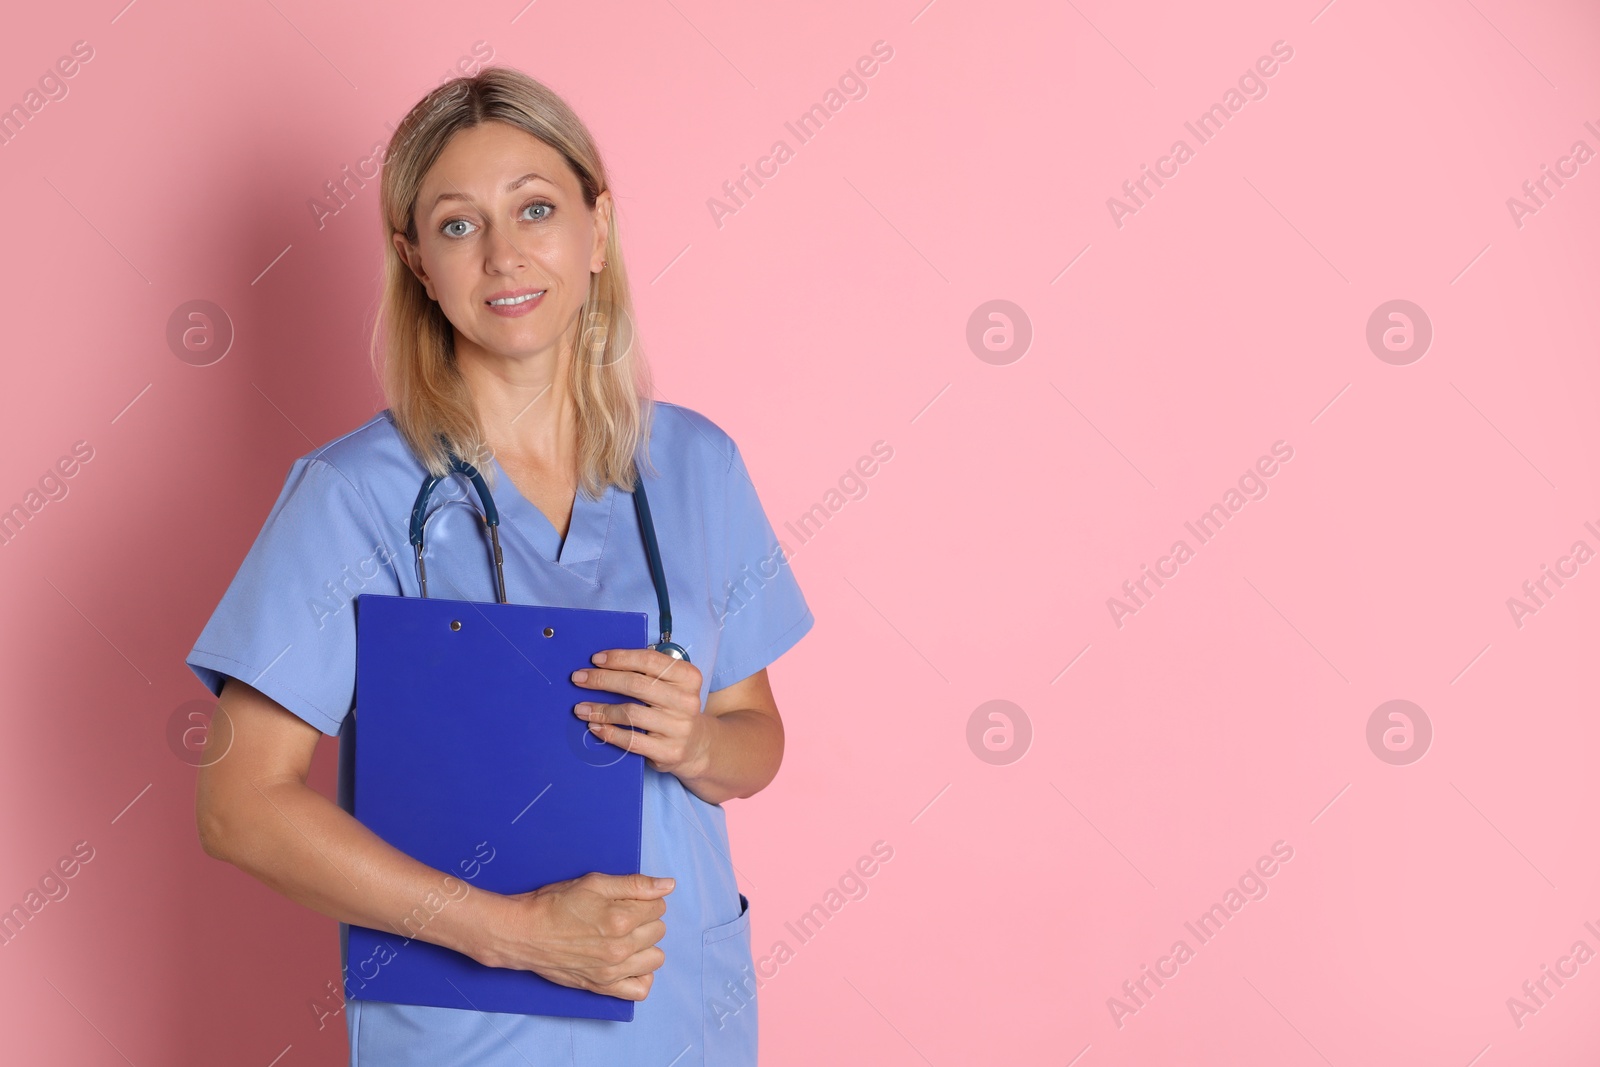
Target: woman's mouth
(515,303)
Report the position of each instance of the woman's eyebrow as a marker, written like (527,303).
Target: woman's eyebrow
(512,187)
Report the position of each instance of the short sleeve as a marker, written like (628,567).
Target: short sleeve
(763,613)
(286,624)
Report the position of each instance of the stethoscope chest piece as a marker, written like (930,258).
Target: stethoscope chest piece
(672,648)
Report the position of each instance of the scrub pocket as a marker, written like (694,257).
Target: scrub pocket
(728,984)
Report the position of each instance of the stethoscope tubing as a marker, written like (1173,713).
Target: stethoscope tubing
(491,519)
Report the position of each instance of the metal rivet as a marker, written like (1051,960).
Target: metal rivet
(548,632)
(455,624)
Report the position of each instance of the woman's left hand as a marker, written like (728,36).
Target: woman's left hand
(677,737)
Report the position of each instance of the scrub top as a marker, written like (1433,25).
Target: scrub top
(286,625)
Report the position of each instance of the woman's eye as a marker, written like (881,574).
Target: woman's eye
(461,227)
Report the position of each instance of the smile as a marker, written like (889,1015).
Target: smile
(513,301)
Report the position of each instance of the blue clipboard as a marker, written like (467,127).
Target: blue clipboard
(466,746)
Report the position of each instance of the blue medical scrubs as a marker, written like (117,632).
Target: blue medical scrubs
(339,529)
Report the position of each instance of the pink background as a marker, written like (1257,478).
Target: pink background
(830,312)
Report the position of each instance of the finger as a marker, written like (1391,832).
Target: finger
(627,988)
(677,672)
(645,717)
(631,886)
(650,667)
(647,934)
(654,749)
(625,683)
(645,661)
(642,912)
(673,696)
(639,910)
(641,963)
(658,666)
(635,987)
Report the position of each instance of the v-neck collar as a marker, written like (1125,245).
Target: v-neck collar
(587,530)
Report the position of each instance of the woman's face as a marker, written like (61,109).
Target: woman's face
(500,217)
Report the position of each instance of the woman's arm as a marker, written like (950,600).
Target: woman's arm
(746,742)
(732,750)
(255,810)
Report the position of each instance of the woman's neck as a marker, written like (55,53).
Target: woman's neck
(525,406)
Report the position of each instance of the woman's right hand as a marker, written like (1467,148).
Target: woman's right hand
(596,932)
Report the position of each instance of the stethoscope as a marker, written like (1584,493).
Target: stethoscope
(491,519)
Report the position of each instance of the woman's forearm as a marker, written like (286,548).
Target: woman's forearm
(744,754)
(303,845)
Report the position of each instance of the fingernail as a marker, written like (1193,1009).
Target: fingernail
(599,658)
(582,710)
(580,676)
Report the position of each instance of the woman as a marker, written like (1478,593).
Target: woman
(503,297)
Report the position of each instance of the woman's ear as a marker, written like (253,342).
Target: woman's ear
(411,256)
(603,205)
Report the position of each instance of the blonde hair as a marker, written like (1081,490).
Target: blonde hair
(432,406)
